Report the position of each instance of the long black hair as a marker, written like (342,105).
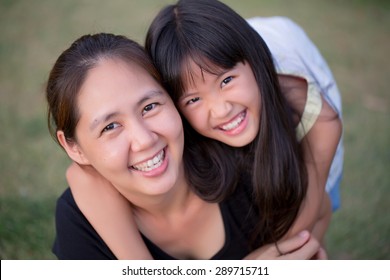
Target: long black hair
(215,37)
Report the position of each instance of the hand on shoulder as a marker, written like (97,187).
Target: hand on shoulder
(299,247)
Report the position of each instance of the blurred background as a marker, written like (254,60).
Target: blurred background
(353,36)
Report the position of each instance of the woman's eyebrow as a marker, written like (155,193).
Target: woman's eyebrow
(102,119)
(149,95)
(106,117)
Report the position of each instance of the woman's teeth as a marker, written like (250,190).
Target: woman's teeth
(235,123)
(151,164)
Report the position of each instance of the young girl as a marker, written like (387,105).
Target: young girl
(285,125)
(109,112)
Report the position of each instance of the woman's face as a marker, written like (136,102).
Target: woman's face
(129,129)
(225,107)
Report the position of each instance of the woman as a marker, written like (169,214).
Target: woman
(109,112)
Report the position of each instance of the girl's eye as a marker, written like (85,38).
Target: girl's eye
(192,100)
(226,81)
(148,108)
(109,127)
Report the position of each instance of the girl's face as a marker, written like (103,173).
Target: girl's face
(225,107)
(129,129)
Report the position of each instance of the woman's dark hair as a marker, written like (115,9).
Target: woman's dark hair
(216,38)
(70,71)
(68,75)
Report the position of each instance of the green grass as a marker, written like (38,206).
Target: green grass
(352,35)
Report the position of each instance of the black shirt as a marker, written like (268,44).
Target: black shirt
(76,238)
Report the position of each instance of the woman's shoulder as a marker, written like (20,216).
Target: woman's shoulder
(66,201)
(75,237)
(68,214)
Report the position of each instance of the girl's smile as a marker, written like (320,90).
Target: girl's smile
(224,106)
(236,125)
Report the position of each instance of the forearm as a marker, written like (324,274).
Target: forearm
(108,212)
(113,220)
(313,208)
(75,238)
(322,224)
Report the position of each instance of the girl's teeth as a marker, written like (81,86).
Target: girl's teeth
(234,123)
(151,163)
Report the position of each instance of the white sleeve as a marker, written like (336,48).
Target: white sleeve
(295,53)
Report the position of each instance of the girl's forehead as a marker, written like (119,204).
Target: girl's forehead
(203,64)
(193,69)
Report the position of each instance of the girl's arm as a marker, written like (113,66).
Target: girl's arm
(111,216)
(108,212)
(319,147)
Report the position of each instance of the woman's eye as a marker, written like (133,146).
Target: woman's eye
(226,81)
(192,100)
(109,127)
(148,108)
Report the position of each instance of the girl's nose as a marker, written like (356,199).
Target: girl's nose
(220,108)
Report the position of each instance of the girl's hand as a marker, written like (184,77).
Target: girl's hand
(299,247)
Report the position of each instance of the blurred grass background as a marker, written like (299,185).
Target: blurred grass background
(354,37)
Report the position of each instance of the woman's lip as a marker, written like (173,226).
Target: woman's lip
(143,162)
(159,170)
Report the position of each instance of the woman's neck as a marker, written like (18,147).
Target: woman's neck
(173,201)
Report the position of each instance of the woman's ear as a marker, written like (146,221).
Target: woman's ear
(72,149)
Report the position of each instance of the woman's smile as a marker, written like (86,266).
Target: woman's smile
(140,133)
(154,166)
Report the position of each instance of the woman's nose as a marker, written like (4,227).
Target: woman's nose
(142,137)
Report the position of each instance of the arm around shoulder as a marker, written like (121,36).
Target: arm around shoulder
(319,147)
(108,212)
(75,238)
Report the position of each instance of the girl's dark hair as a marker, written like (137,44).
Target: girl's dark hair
(216,38)
(71,68)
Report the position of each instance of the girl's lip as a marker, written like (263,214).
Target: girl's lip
(235,125)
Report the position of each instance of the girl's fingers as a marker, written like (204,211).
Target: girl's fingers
(306,252)
(294,243)
(321,254)
(298,247)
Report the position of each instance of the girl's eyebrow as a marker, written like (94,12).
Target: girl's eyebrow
(106,117)
(186,95)
(217,76)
